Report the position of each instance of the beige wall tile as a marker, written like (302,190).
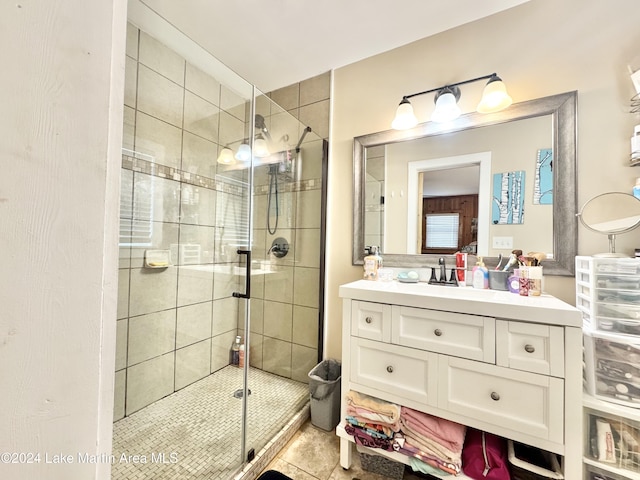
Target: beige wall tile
(308,209)
(149,381)
(276,357)
(224,284)
(306,287)
(194,325)
(159,97)
(130,82)
(151,335)
(310,163)
(152,290)
(278,286)
(315,89)
(160,193)
(201,117)
(161,59)
(121,343)
(202,84)
(233,103)
(307,251)
(195,284)
(163,237)
(157,141)
(128,130)
(220,350)
(231,130)
(123,293)
(119,394)
(278,320)
(225,315)
(198,205)
(132,41)
(257,315)
(287,97)
(303,359)
(305,326)
(196,242)
(192,363)
(198,155)
(316,115)
(255,350)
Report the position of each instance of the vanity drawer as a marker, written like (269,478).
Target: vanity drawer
(371,320)
(531,347)
(520,401)
(402,372)
(457,334)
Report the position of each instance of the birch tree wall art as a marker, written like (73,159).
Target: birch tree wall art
(543,181)
(508,198)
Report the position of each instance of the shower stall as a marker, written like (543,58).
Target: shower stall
(221,228)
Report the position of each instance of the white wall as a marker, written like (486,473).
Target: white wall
(540,48)
(61,95)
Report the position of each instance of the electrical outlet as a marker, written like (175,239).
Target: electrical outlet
(503,243)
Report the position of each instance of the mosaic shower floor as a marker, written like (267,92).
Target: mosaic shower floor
(195,432)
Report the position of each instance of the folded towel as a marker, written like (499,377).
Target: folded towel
(374,404)
(447,433)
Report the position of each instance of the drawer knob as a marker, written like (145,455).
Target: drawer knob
(368,319)
(438,332)
(495,396)
(390,369)
(529,348)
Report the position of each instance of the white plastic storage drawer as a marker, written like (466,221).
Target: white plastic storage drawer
(612,367)
(612,444)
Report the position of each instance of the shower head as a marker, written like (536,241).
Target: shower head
(261,126)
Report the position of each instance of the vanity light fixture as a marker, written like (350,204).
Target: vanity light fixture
(494,99)
(226,156)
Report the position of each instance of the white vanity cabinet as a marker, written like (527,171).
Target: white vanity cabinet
(492,360)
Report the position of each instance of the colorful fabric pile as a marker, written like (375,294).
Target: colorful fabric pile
(372,422)
(435,441)
(433,444)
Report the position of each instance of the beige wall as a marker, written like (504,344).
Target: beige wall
(539,48)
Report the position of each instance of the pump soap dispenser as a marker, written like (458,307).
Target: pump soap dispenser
(372,263)
(480,275)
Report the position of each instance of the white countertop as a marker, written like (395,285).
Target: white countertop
(545,309)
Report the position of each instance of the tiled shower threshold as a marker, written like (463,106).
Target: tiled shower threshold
(195,432)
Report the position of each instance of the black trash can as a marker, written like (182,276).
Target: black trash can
(324,390)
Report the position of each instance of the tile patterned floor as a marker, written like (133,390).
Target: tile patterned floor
(314,454)
(195,433)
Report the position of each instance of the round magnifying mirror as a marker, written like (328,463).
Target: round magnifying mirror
(611,213)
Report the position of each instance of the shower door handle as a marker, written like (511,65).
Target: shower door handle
(247,281)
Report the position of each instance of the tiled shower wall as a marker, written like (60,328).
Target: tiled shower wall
(176,324)
(285,313)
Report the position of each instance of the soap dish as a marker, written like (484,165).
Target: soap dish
(157,259)
(408,277)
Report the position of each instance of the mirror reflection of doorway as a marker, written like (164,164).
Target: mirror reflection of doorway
(449,223)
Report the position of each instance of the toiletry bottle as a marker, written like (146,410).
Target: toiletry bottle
(480,275)
(635,143)
(636,189)
(372,263)
(241,356)
(235,351)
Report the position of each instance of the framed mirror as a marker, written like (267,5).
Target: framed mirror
(392,170)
